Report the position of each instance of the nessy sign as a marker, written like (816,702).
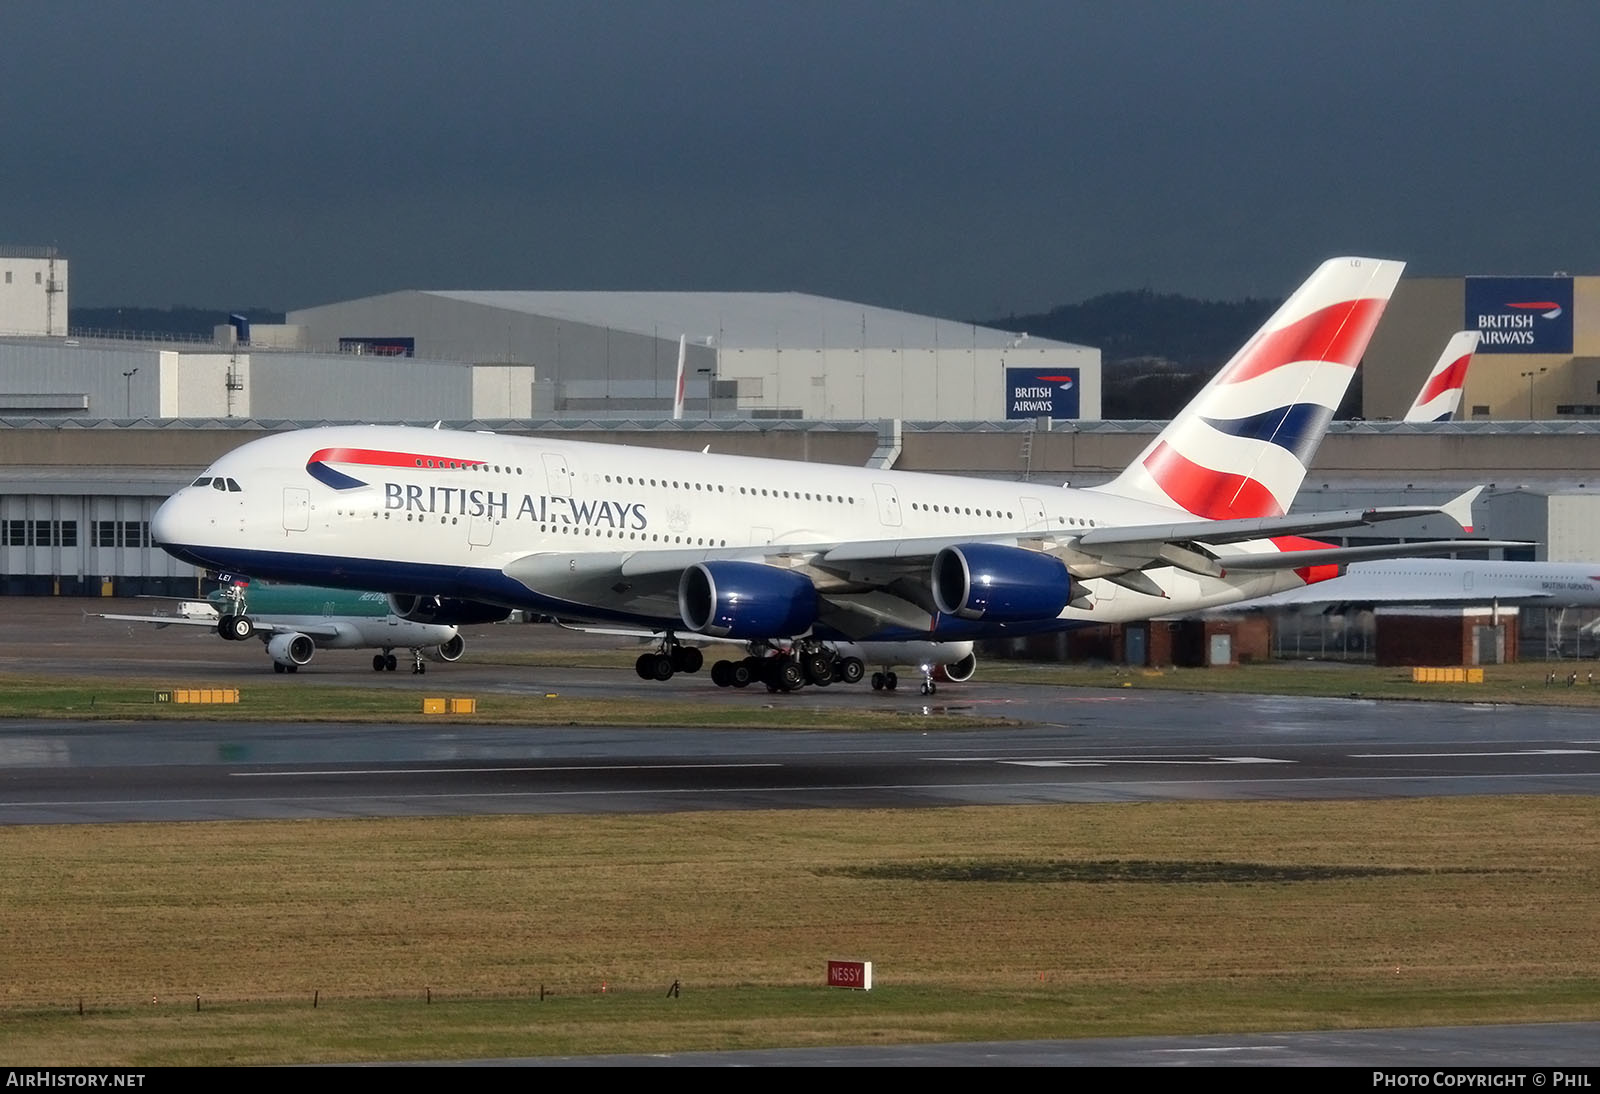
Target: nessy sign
(1042,393)
(1520,314)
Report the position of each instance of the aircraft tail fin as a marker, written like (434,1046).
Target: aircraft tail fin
(1441,392)
(677,391)
(1242,446)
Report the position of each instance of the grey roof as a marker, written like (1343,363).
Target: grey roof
(753,320)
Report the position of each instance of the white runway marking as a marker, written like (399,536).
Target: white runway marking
(556,768)
(1105,761)
(1469,755)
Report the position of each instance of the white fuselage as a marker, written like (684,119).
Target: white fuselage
(439,512)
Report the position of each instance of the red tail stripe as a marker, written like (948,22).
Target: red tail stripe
(1337,334)
(1215,495)
(1448,380)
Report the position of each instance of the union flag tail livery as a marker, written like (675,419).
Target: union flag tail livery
(1242,446)
(1441,393)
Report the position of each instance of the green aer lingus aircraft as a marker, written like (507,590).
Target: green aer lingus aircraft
(294,621)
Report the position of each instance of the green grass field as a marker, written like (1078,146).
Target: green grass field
(369,940)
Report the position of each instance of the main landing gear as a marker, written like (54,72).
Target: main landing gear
(387,662)
(807,662)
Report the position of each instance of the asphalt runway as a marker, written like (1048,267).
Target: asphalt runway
(1068,745)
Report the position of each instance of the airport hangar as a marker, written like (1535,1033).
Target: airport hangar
(95,430)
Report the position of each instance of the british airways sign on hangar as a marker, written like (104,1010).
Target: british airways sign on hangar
(1042,393)
(1520,314)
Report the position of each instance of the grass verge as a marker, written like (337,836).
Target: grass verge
(207,943)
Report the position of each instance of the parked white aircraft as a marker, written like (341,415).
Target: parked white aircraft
(1445,581)
(294,621)
(1440,395)
(791,558)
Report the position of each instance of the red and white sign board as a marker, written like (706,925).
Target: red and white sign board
(850,974)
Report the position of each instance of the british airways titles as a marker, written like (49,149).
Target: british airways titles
(497,505)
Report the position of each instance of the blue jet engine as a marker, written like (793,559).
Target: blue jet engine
(999,584)
(746,600)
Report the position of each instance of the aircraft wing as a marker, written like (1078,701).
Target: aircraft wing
(868,584)
(160,620)
(1421,548)
(259,626)
(1458,509)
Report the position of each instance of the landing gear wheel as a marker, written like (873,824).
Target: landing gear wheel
(377,662)
(662,666)
(739,674)
(390,663)
(645,666)
(878,682)
(930,689)
(722,674)
(890,680)
(850,670)
(687,659)
(235,627)
(789,675)
(818,668)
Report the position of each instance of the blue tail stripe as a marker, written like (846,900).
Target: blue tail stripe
(1297,428)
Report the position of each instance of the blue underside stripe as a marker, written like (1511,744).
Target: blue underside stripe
(492,586)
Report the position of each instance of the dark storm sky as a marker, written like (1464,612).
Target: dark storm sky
(960,159)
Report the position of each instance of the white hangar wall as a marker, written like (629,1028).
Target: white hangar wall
(761,355)
(33,291)
(115,380)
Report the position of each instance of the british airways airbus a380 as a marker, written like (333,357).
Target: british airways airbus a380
(795,559)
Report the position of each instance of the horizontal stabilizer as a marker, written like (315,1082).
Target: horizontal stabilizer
(1340,555)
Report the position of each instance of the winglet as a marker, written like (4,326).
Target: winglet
(1459,509)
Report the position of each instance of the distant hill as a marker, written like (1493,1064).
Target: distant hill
(182,321)
(1140,325)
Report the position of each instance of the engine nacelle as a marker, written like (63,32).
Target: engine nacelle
(999,584)
(746,600)
(291,649)
(448,652)
(444,609)
(957,672)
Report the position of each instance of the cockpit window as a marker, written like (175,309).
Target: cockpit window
(233,486)
(203,480)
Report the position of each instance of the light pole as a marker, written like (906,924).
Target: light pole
(707,374)
(127,410)
(1528,376)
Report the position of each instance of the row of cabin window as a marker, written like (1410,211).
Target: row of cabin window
(718,488)
(589,530)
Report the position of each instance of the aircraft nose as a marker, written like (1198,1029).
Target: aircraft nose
(164,524)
